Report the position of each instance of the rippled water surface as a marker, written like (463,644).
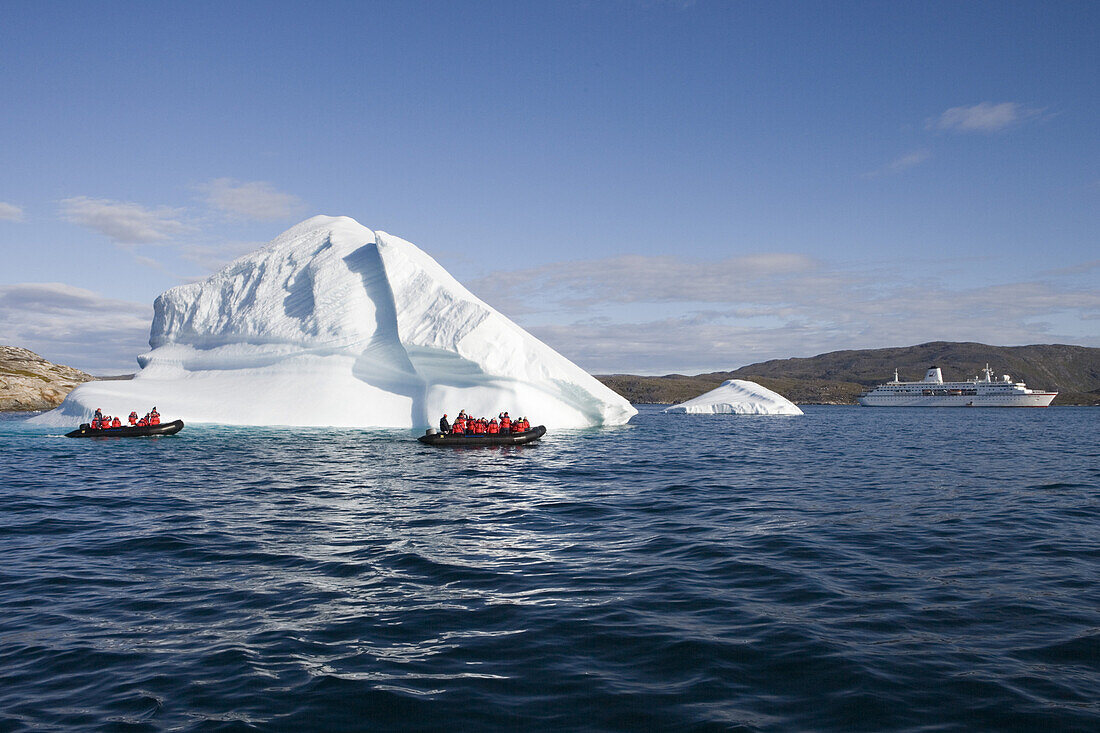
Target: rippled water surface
(853,569)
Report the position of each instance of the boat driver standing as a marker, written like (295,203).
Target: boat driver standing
(444,426)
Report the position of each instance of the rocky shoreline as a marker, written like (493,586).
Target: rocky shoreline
(29,383)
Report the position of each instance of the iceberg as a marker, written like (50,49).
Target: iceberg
(333,324)
(738,397)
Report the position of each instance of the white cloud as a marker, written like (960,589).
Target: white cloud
(73,326)
(257,200)
(640,278)
(213,257)
(910,160)
(124,222)
(722,315)
(132,225)
(10,212)
(982,117)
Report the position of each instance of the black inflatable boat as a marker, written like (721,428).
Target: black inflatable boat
(530,436)
(127,431)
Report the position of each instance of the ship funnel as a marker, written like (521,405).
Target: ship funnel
(934,375)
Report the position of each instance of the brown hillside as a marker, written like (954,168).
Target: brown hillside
(839,376)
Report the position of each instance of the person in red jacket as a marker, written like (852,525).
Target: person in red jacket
(459,428)
(493,428)
(116,423)
(133,417)
(506,424)
(154,418)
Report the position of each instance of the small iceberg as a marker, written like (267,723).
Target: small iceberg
(737,397)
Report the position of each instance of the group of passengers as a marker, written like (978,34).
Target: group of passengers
(102,422)
(467,425)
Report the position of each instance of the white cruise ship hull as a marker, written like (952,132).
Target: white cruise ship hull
(1035,399)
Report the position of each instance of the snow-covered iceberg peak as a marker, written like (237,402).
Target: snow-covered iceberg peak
(334,324)
(739,397)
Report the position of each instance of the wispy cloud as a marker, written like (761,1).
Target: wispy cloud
(74,326)
(721,315)
(652,279)
(124,222)
(212,257)
(982,117)
(256,200)
(10,212)
(905,162)
(186,233)
(1081,268)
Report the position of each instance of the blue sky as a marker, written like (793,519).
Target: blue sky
(647,186)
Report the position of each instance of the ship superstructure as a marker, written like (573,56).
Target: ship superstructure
(932,391)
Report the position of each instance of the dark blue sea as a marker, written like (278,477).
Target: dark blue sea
(852,569)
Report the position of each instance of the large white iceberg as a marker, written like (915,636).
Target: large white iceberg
(738,397)
(334,324)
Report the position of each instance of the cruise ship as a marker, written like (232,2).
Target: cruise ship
(932,391)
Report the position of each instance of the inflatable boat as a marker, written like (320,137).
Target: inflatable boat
(127,431)
(435,438)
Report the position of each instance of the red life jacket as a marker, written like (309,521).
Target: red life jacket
(155,419)
(493,427)
(133,418)
(506,423)
(142,422)
(116,423)
(459,428)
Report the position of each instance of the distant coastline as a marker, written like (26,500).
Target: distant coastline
(838,377)
(29,382)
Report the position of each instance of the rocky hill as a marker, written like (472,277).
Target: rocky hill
(839,376)
(29,382)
